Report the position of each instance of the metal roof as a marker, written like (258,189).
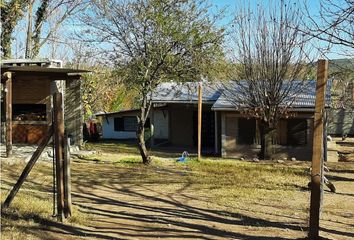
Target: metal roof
(302,96)
(222,94)
(116,113)
(187,92)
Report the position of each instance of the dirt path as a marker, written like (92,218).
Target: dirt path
(121,210)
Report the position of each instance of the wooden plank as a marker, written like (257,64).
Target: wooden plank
(45,76)
(59,159)
(317,154)
(8,114)
(28,167)
(67,178)
(200,102)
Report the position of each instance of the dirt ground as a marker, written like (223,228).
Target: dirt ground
(167,201)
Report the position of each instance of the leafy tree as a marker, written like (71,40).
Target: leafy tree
(152,41)
(39,31)
(270,55)
(11,12)
(103,91)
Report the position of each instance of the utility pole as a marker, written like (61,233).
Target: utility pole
(317,154)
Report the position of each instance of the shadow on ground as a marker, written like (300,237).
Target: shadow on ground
(123,208)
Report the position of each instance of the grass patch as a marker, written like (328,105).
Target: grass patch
(33,204)
(222,183)
(226,180)
(112,147)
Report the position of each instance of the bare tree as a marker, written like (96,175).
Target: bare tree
(331,30)
(59,11)
(271,55)
(333,24)
(151,41)
(44,18)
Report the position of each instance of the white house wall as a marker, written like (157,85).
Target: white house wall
(109,133)
(160,123)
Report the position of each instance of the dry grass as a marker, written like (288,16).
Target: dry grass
(260,192)
(33,204)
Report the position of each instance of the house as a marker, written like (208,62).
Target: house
(341,116)
(225,131)
(31,84)
(122,125)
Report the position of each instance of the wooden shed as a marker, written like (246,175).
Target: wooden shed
(26,100)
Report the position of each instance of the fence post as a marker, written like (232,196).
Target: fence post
(317,154)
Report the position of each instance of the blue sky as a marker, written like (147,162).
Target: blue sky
(230,7)
(313,8)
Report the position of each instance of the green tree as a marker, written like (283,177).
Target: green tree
(152,41)
(39,13)
(11,12)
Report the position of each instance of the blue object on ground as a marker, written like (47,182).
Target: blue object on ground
(181,159)
(184,157)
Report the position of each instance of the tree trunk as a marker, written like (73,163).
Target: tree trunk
(141,138)
(29,32)
(266,141)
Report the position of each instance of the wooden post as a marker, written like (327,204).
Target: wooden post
(317,154)
(67,178)
(28,167)
(152,127)
(200,102)
(58,140)
(8,114)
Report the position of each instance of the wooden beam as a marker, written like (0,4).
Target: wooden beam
(200,102)
(8,114)
(317,154)
(59,157)
(45,76)
(28,167)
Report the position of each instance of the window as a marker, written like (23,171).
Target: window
(128,124)
(118,124)
(246,131)
(297,132)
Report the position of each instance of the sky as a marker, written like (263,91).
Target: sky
(230,7)
(337,52)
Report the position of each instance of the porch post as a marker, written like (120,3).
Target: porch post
(169,133)
(216,132)
(200,101)
(223,135)
(8,76)
(152,126)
